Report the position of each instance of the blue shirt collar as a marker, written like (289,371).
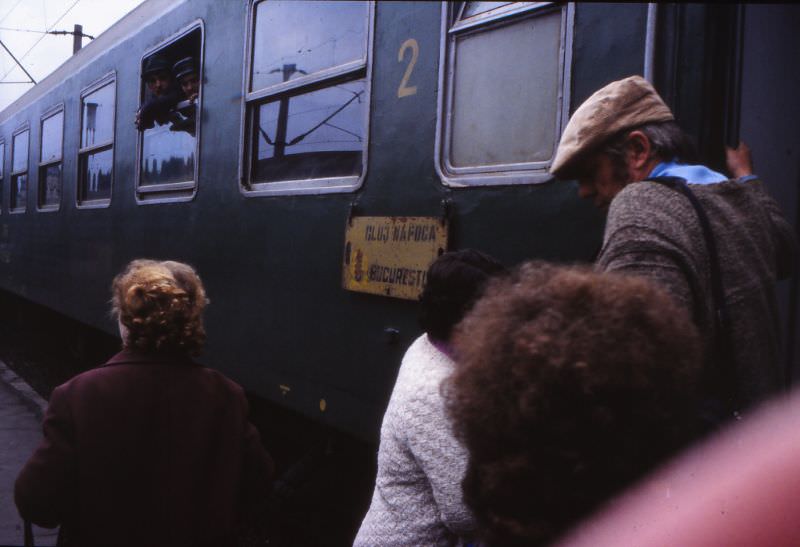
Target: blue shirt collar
(694,174)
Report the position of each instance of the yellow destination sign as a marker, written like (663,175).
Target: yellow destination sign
(391,255)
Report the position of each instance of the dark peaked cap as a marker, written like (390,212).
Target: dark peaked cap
(155,63)
(183,67)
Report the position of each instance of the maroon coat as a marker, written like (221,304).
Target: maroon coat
(145,451)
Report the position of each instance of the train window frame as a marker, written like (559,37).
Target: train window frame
(317,81)
(172,192)
(80,203)
(43,165)
(2,174)
(451,28)
(20,210)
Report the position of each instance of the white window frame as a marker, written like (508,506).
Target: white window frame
(172,192)
(512,173)
(27,171)
(108,79)
(55,110)
(298,86)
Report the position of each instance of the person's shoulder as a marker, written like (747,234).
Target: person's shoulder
(421,371)
(422,354)
(643,199)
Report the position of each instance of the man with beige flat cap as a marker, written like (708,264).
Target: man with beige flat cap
(716,244)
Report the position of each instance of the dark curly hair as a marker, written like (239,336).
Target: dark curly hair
(570,385)
(453,284)
(161,305)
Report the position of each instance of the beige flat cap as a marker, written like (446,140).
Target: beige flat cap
(619,105)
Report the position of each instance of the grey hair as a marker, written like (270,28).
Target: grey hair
(667,142)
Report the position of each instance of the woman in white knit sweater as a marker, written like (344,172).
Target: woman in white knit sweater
(417,499)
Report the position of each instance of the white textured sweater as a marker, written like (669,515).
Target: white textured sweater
(417,499)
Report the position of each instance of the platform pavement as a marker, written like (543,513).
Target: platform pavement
(21,410)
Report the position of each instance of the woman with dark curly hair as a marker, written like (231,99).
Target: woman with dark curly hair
(571,384)
(150,448)
(417,498)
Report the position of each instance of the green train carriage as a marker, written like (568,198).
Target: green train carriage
(315,118)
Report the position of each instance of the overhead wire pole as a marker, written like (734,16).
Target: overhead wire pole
(18,63)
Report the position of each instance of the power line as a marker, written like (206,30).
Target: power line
(60,32)
(11,10)
(18,63)
(24,30)
(40,39)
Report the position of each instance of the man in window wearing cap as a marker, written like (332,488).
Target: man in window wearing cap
(185,72)
(164,94)
(627,153)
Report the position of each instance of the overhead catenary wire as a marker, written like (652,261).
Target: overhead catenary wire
(10,11)
(18,63)
(40,39)
(59,32)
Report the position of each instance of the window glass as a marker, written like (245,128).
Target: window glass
(313,36)
(19,171)
(503,110)
(167,156)
(19,189)
(474,8)
(20,152)
(321,135)
(309,133)
(96,181)
(505,91)
(96,157)
(97,117)
(52,137)
(50,185)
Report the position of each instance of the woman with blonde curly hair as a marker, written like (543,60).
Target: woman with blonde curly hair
(150,448)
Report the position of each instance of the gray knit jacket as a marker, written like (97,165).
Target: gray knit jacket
(652,230)
(417,499)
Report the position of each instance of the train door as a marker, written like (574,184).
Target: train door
(770,123)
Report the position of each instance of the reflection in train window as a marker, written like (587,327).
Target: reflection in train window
(96,154)
(170,119)
(50,154)
(307,100)
(2,172)
(19,171)
(502,108)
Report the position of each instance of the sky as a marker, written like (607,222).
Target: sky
(41,53)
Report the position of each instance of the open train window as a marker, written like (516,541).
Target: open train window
(50,155)
(307,96)
(169,118)
(505,91)
(96,153)
(19,170)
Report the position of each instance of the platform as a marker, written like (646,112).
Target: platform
(21,411)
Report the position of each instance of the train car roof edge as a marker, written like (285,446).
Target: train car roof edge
(141,16)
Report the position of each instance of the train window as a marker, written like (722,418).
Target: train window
(502,108)
(168,119)
(19,170)
(2,171)
(50,155)
(96,154)
(307,97)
